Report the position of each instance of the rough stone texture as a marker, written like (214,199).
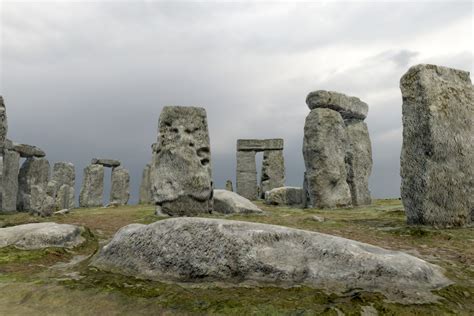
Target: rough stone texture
(324,150)
(306,198)
(41,235)
(61,186)
(246,175)
(34,171)
(438,146)
(348,107)
(64,173)
(92,190)
(145,186)
(110,163)
(226,202)
(9,180)
(182,181)
(120,190)
(292,196)
(243,253)
(229,186)
(65,198)
(3,123)
(273,171)
(259,144)
(28,151)
(358,161)
(41,203)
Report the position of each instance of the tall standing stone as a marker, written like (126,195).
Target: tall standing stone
(3,123)
(438,146)
(92,190)
(120,189)
(34,171)
(61,186)
(182,181)
(246,175)
(273,171)
(145,186)
(229,186)
(9,180)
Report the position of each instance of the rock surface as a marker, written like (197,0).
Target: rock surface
(145,186)
(120,189)
(41,235)
(28,151)
(324,151)
(291,196)
(65,198)
(34,171)
(246,175)
(243,253)
(349,107)
(259,144)
(438,146)
(182,178)
(229,186)
(9,180)
(61,186)
(92,190)
(227,202)
(3,123)
(273,171)
(41,203)
(109,163)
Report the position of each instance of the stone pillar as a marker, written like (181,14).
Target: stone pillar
(246,175)
(34,171)
(61,186)
(3,123)
(145,186)
(120,189)
(229,186)
(9,179)
(92,190)
(438,146)
(273,171)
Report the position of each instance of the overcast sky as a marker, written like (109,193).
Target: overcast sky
(89,79)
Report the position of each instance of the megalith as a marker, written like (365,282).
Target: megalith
(438,146)
(61,186)
(229,186)
(145,186)
(9,180)
(246,174)
(92,190)
(3,123)
(182,179)
(34,171)
(120,189)
(41,203)
(273,171)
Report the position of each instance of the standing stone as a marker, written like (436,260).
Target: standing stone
(61,186)
(34,171)
(145,186)
(41,203)
(182,181)
(120,190)
(324,150)
(3,123)
(229,186)
(65,198)
(110,163)
(273,171)
(438,146)
(9,180)
(92,186)
(247,175)
(359,161)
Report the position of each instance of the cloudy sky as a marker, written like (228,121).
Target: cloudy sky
(89,78)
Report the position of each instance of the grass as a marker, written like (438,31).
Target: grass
(35,281)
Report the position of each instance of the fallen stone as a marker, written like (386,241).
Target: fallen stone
(229,186)
(145,186)
(273,171)
(92,190)
(243,253)
(317,218)
(227,202)
(34,171)
(62,212)
(28,151)
(290,196)
(9,181)
(110,163)
(120,189)
(348,107)
(41,235)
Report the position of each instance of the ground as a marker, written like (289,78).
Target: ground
(59,282)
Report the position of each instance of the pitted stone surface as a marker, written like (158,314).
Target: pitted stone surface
(246,175)
(9,180)
(92,190)
(28,151)
(349,107)
(34,171)
(273,171)
(438,146)
(120,190)
(110,163)
(145,186)
(291,196)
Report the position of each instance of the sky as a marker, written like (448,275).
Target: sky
(85,79)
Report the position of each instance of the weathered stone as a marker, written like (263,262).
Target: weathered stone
(34,171)
(28,151)
(324,150)
(92,190)
(110,163)
(438,146)
(41,203)
(9,180)
(291,196)
(61,186)
(182,181)
(246,175)
(3,123)
(120,190)
(65,197)
(145,186)
(273,171)
(259,144)
(358,161)
(306,198)
(243,253)
(229,186)
(41,235)
(227,202)
(64,173)
(348,107)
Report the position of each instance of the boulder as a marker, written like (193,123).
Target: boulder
(273,171)
(9,180)
(324,151)
(182,181)
(291,196)
(145,186)
(92,190)
(438,146)
(41,235)
(34,171)
(28,151)
(246,185)
(349,107)
(227,202)
(120,189)
(229,186)
(242,253)
(109,163)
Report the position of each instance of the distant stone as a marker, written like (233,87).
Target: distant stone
(34,171)
(290,196)
(28,151)
(41,235)
(120,189)
(9,181)
(273,171)
(348,107)
(259,144)
(3,123)
(110,163)
(145,186)
(61,186)
(229,186)
(92,190)
(65,197)
(317,218)
(227,202)
(246,175)
(244,253)
(41,203)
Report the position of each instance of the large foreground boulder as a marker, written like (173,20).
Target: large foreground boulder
(41,235)
(227,202)
(208,250)
(291,196)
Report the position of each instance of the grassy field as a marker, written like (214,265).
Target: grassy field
(59,282)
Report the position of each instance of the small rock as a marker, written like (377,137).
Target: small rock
(317,218)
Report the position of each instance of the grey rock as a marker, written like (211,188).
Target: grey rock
(246,175)
(229,186)
(227,202)
(92,190)
(306,198)
(290,196)
(61,186)
(120,190)
(243,253)
(259,144)
(3,123)
(9,180)
(64,173)
(145,186)
(438,146)
(273,171)
(28,151)
(34,171)
(41,235)
(41,203)
(349,107)
(110,163)
(182,178)
(358,161)
(65,197)
(324,150)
